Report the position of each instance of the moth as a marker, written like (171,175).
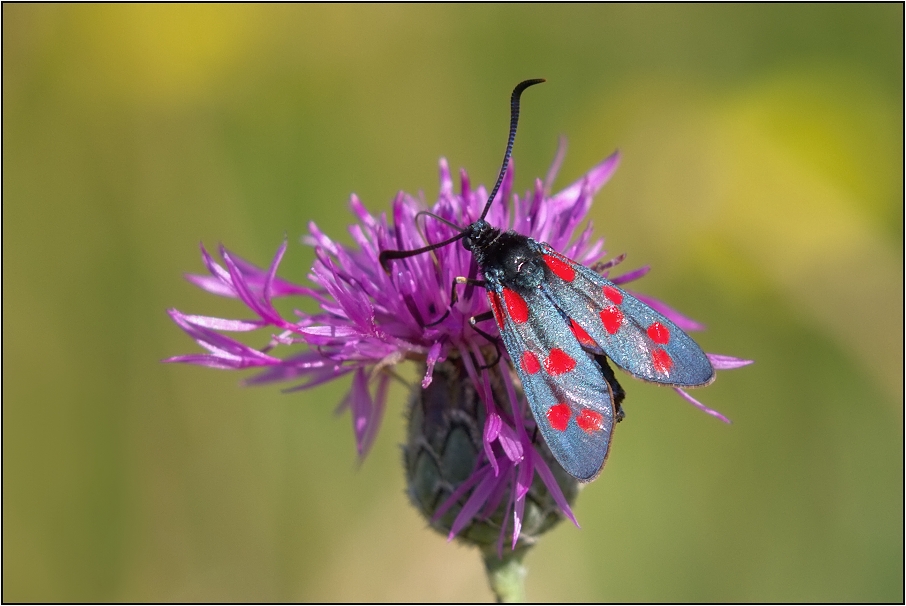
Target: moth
(560,323)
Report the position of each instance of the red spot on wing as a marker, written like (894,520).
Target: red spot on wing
(659,333)
(530,363)
(558,416)
(612,318)
(495,307)
(563,270)
(580,334)
(661,360)
(515,305)
(590,421)
(613,294)
(558,362)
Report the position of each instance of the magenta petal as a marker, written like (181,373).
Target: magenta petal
(492,425)
(257,277)
(361,212)
(272,272)
(335,332)
(524,475)
(446,181)
(601,174)
(502,534)
(224,324)
(226,350)
(460,491)
(548,478)
(632,275)
(700,406)
(518,510)
(524,478)
(479,380)
(720,362)
(510,443)
(212,285)
(360,406)
(503,485)
(343,406)
(377,414)
(216,270)
(555,165)
(206,360)
(597,177)
(566,226)
(309,366)
(246,294)
(472,505)
(433,354)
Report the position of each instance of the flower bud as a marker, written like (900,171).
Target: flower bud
(445,448)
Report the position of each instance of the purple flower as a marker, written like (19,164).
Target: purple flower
(370,321)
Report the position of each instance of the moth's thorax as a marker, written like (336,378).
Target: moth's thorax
(505,258)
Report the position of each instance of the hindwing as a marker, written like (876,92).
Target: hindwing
(565,388)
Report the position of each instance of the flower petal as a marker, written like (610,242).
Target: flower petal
(510,443)
(492,425)
(721,362)
(224,324)
(433,355)
(478,497)
(632,275)
(548,478)
(699,405)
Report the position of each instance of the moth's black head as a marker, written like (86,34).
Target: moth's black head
(479,235)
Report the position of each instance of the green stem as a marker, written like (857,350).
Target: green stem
(506,576)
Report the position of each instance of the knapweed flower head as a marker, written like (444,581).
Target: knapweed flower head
(371,320)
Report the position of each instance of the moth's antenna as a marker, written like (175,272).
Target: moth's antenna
(514,120)
(425,213)
(388,255)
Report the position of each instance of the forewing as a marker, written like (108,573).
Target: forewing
(565,387)
(638,339)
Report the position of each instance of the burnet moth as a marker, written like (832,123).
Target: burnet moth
(560,322)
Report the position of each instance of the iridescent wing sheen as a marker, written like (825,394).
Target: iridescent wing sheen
(607,319)
(569,397)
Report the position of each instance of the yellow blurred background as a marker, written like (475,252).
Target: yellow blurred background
(762,177)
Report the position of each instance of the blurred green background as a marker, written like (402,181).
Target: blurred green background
(762,177)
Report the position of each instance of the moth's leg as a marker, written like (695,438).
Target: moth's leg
(454,297)
(488,315)
(618,394)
